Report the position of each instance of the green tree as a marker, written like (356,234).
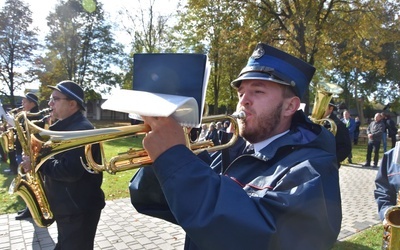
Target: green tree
(359,64)
(17,45)
(82,48)
(211,27)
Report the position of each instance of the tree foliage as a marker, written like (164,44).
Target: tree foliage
(211,27)
(353,43)
(18,42)
(342,39)
(82,48)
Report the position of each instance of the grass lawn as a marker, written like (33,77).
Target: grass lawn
(116,186)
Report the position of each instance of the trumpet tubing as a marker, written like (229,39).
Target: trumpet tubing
(46,143)
(137,158)
(40,144)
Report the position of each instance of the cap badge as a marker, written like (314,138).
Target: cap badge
(258,52)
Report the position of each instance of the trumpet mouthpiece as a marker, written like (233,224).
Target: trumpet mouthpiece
(239,115)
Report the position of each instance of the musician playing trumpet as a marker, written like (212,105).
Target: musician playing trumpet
(281,192)
(74,195)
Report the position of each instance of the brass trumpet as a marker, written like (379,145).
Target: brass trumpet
(16,110)
(137,158)
(45,143)
(40,144)
(8,136)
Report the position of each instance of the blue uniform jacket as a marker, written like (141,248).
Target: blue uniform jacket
(285,197)
(351,126)
(387,182)
(69,187)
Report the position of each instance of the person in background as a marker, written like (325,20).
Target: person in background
(203,132)
(30,103)
(75,195)
(384,134)
(351,127)
(391,128)
(356,130)
(213,134)
(342,137)
(283,185)
(12,154)
(374,132)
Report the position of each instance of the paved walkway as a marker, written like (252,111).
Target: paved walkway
(121,227)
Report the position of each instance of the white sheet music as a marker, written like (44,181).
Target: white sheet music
(140,103)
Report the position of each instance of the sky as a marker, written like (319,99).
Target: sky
(41,8)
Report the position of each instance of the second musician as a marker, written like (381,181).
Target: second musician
(74,195)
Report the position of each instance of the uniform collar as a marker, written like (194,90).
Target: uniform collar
(260,145)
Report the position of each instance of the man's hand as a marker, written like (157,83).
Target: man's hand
(165,133)
(26,163)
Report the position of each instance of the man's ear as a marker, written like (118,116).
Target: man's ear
(74,104)
(292,105)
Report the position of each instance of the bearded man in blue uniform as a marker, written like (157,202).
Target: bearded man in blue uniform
(283,195)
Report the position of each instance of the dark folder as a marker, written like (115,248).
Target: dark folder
(165,85)
(180,74)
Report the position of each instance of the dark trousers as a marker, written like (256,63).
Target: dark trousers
(393,140)
(375,145)
(77,231)
(13,161)
(3,154)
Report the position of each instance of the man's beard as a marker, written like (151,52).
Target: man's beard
(263,127)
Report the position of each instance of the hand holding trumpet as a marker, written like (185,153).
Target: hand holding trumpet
(26,163)
(165,133)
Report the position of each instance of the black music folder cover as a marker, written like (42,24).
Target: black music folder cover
(165,84)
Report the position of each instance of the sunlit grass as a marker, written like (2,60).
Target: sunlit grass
(367,239)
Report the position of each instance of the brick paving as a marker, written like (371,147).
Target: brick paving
(121,227)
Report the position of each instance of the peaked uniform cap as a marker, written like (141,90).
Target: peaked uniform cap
(32,97)
(332,104)
(271,64)
(72,90)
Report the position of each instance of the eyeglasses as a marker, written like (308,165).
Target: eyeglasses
(55,98)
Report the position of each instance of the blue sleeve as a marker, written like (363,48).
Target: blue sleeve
(147,196)
(385,189)
(217,213)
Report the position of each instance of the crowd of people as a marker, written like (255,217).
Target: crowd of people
(378,132)
(281,160)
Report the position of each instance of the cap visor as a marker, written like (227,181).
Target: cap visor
(255,76)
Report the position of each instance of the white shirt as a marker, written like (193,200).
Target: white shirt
(260,145)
